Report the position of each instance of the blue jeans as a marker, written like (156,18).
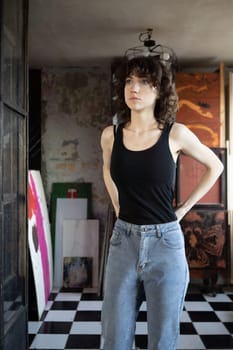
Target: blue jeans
(152,255)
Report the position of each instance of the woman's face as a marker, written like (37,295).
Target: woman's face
(140,94)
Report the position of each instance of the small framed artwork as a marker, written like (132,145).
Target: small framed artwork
(77,272)
(206,235)
(189,173)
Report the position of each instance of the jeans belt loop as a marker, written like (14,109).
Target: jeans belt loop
(158,232)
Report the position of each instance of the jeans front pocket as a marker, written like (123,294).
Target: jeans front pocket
(116,237)
(174,239)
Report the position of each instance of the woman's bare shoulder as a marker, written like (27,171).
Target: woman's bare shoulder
(108,131)
(181,132)
(178,128)
(107,135)
(182,138)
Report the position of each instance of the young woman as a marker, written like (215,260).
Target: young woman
(147,245)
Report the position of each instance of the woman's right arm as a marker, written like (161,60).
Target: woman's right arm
(107,139)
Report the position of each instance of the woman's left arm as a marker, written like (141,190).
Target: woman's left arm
(185,141)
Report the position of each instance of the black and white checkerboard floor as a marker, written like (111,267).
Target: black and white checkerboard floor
(72,321)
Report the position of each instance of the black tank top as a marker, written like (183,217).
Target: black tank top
(145,180)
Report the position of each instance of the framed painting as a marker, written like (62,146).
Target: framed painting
(206,235)
(189,173)
(77,272)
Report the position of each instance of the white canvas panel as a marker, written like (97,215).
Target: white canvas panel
(81,239)
(67,208)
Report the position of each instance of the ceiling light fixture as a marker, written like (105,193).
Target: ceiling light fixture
(151,48)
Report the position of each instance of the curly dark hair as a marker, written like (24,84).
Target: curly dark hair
(160,75)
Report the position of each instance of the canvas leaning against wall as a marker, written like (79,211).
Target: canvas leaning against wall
(39,239)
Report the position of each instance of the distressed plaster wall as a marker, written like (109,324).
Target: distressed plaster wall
(75,109)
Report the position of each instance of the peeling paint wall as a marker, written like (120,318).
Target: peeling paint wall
(75,109)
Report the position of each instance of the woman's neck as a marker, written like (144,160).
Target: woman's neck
(142,122)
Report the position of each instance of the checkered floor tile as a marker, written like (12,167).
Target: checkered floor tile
(72,321)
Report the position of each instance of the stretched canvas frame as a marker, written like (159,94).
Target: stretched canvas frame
(189,172)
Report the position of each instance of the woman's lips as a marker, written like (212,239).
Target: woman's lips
(134,98)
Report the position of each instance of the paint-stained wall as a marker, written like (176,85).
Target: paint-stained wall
(75,109)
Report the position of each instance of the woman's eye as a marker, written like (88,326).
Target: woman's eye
(145,81)
(127,81)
